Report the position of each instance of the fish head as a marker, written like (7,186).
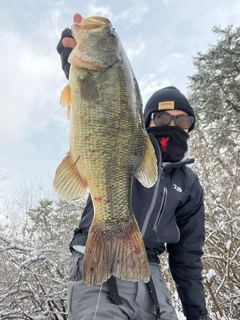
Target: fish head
(97,44)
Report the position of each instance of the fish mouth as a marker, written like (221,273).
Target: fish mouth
(94,22)
(91,24)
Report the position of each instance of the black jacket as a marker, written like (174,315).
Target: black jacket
(171,213)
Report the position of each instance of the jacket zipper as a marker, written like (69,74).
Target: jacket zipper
(161,209)
(156,187)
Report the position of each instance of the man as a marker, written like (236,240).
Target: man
(170,216)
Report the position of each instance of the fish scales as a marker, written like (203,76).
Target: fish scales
(108,147)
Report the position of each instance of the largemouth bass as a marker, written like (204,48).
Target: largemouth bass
(108,147)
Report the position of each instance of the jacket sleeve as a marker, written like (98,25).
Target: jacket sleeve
(65,52)
(81,233)
(185,256)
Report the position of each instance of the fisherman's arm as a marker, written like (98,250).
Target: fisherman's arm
(66,44)
(64,50)
(185,256)
(81,233)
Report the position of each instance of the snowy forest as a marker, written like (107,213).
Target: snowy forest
(34,254)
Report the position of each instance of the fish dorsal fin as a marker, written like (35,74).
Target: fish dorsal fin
(147,172)
(67,182)
(88,86)
(65,99)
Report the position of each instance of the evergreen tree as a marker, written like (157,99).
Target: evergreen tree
(215,96)
(215,88)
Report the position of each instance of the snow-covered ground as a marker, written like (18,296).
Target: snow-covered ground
(180,316)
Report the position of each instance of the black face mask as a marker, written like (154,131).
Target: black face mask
(172,140)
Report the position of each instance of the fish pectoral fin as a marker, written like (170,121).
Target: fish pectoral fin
(68,182)
(65,99)
(88,86)
(120,254)
(147,172)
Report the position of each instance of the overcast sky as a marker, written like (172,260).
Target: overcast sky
(160,37)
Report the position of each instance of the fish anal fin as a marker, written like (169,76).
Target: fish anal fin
(65,99)
(67,182)
(122,255)
(147,172)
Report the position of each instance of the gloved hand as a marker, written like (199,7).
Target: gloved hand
(66,44)
(65,52)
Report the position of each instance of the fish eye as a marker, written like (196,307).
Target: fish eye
(112,34)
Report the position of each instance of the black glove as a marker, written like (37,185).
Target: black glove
(65,52)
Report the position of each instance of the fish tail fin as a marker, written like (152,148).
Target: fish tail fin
(147,172)
(120,254)
(130,261)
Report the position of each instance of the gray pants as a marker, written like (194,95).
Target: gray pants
(137,302)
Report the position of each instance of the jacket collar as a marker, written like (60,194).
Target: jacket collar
(168,166)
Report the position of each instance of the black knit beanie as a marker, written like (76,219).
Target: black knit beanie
(168,98)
